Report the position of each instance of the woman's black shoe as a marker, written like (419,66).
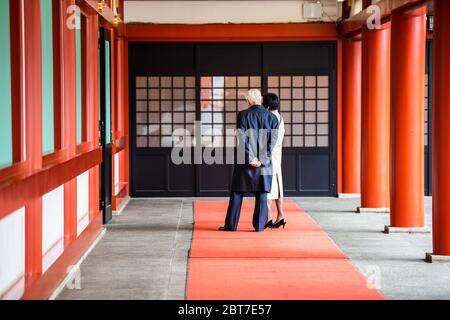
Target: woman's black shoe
(269,224)
(280,223)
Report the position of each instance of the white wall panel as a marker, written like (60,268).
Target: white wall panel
(116,173)
(82,202)
(198,12)
(52,226)
(356,8)
(12,255)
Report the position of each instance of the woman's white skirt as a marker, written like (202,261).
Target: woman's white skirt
(277,187)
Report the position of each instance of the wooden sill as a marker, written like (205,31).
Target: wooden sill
(13,172)
(84,147)
(122,186)
(120,144)
(54,158)
(18,189)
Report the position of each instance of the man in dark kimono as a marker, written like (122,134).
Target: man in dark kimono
(256,129)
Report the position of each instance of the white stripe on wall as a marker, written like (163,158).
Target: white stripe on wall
(116,173)
(198,12)
(12,255)
(82,202)
(52,226)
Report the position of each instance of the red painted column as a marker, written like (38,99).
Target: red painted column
(441,121)
(352,116)
(16,47)
(114,110)
(121,98)
(407,118)
(375,118)
(126,157)
(33,135)
(69,124)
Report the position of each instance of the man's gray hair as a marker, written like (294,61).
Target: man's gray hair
(253,95)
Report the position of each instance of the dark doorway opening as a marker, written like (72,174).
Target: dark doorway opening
(199,86)
(105,123)
(427,115)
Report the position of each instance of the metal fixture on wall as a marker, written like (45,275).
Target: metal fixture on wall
(430,23)
(115,11)
(312,10)
(101,5)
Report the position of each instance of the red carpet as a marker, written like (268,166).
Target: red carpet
(299,262)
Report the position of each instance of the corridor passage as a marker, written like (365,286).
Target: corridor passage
(144,252)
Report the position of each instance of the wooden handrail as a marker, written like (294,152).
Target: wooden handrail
(17,189)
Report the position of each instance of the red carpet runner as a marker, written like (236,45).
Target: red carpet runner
(299,262)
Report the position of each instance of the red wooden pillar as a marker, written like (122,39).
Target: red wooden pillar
(114,110)
(16,47)
(351,125)
(33,135)
(375,119)
(122,77)
(125,168)
(69,124)
(441,121)
(407,119)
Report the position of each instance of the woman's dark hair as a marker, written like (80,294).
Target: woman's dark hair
(271,101)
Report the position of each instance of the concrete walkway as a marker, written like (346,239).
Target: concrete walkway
(399,258)
(144,252)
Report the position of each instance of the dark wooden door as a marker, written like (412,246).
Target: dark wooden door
(105,124)
(200,87)
(428,108)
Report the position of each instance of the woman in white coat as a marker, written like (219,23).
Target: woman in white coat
(272,103)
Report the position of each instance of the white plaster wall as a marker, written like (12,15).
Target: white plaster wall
(82,202)
(116,173)
(199,12)
(52,226)
(12,255)
(356,8)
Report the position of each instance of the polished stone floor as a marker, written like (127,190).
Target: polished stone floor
(143,254)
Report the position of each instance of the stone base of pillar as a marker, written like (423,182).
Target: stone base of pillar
(349,195)
(433,258)
(389,229)
(373,210)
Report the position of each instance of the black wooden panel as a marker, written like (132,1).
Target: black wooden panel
(106,166)
(289,169)
(428,148)
(429,56)
(181,177)
(314,172)
(106,183)
(427,179)
(298,58)
(215,179)
(162,59)
(229,59)
(150,172)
